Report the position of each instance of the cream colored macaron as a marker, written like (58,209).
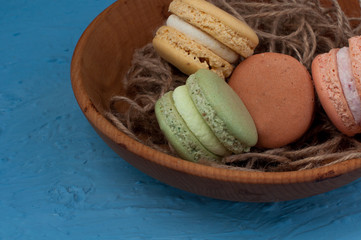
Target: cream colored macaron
(188,55)
(200,35)
(224,27)
(205,39)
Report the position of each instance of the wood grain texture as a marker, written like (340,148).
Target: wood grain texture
(102,57)
(351,8)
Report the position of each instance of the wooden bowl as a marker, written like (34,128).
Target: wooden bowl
(101,59)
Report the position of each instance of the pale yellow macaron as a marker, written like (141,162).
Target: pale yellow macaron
(188,55)
(200,35)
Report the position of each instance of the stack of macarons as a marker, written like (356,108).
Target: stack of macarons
(268,100)
(205,119)
(199,35)
(337,78)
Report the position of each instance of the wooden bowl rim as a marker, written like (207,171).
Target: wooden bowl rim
(177,164)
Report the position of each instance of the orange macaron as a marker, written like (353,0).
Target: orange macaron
(278,93)
(336,75)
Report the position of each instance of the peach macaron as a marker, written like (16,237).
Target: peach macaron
(278,93)
(336,75)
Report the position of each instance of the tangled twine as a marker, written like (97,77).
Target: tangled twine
(299,28)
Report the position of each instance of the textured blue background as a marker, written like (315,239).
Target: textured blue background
(59,180)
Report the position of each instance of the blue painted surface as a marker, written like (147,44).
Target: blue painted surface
(59,180)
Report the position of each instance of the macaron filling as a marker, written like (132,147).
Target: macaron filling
(348,83)
(203,38)
(213,120)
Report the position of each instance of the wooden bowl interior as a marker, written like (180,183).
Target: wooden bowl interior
(108,52)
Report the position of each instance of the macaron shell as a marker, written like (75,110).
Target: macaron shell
(187,55)
(330,93)
(203,38)
(188,111)
(177,133)
(355,55)
(228,113)
(278,92)
(227,29)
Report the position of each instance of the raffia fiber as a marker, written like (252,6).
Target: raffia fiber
(299,28)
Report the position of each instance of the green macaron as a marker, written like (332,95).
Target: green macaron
(177,133)
(205,119)
(223,110)
(194,121)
